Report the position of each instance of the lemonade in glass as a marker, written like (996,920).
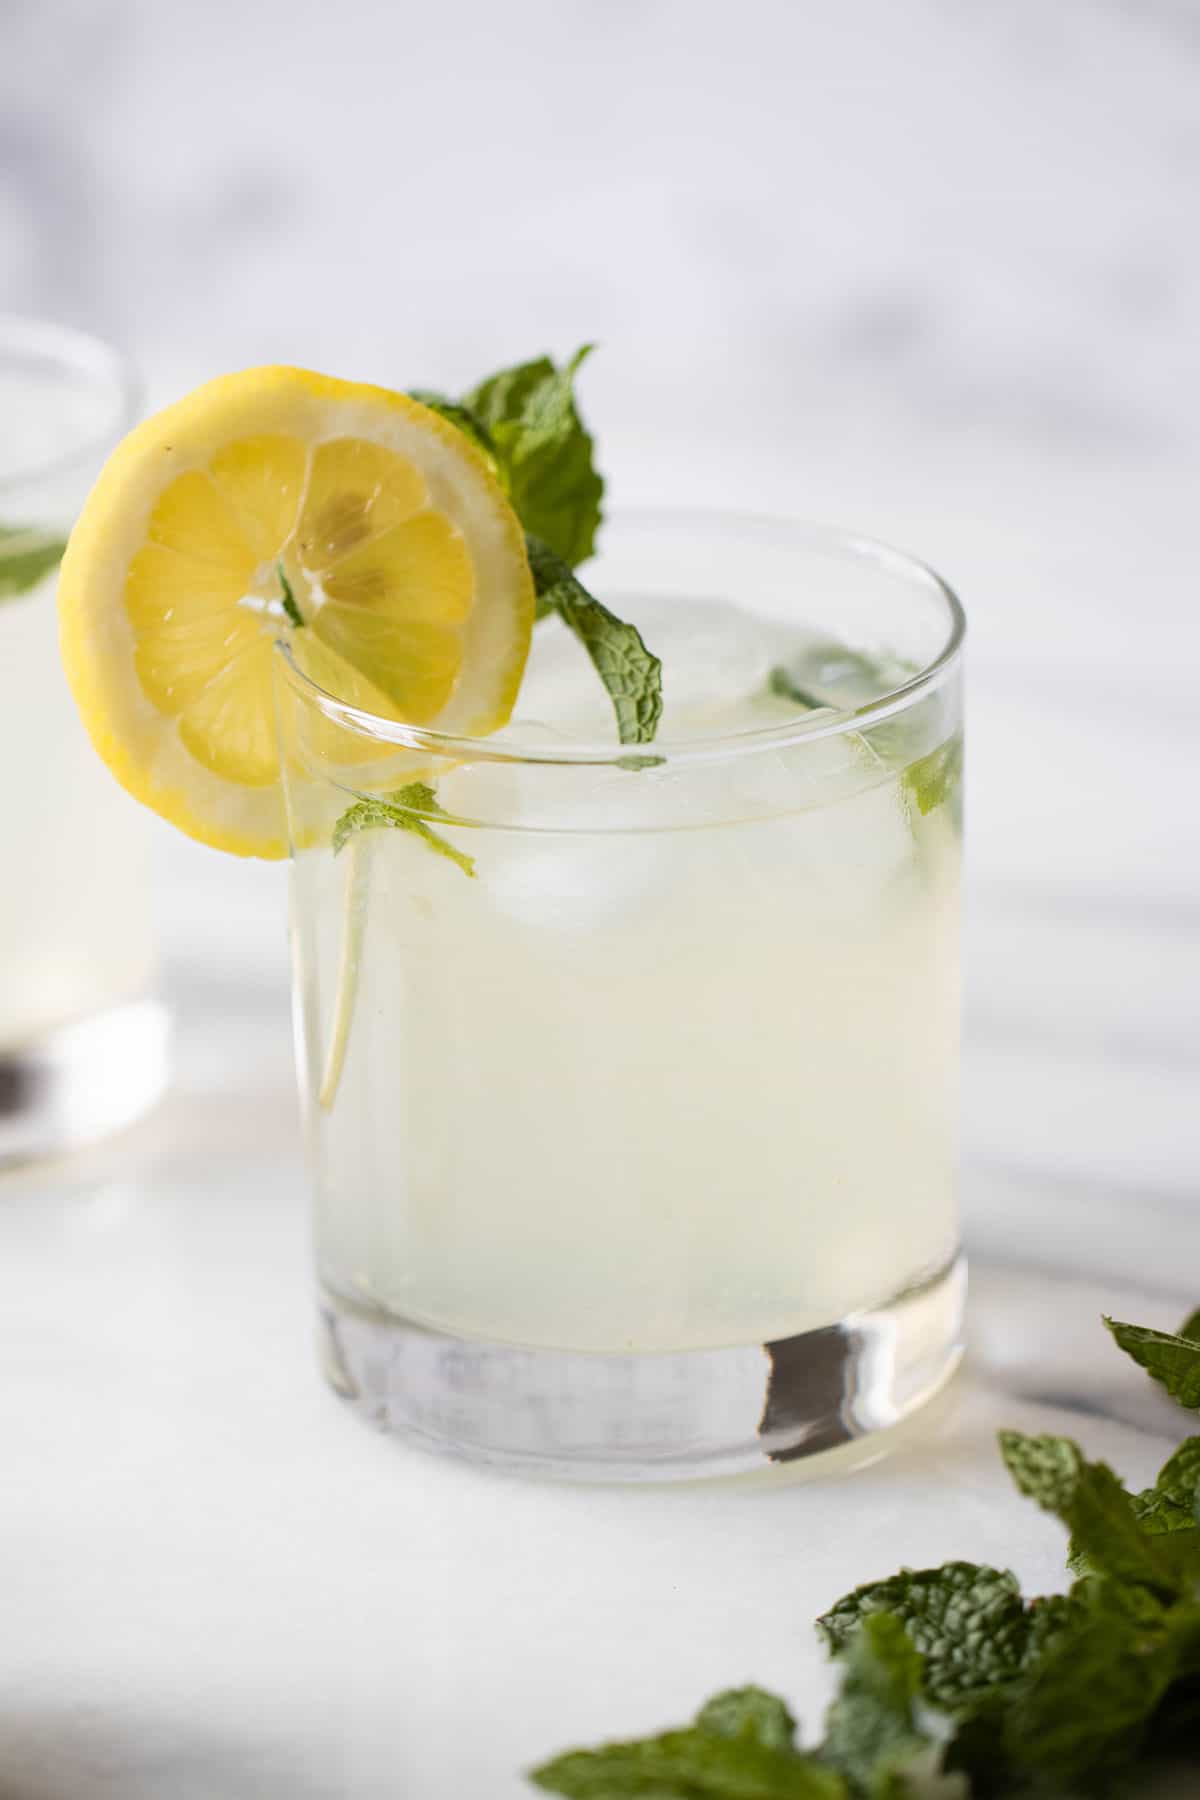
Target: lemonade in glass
(627,1008)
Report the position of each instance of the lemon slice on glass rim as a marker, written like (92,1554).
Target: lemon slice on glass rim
(275,503)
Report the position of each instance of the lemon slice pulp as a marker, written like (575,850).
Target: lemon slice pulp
(261,496)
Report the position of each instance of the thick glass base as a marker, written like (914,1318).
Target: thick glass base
(82,1081)
(584,1416)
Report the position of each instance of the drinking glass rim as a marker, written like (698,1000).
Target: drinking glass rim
(828,722)
(83,354)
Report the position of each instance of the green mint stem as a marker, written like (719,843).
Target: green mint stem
(354,919)
(399,812)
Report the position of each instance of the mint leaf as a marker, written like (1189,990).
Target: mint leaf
(464,420)
(1180,1474)
(526,423)
(1173,1503)
(630,673)
(936,778)
(1191,1327)
(783,683)
(1097,1510)
(1088,1703)
(968,1621)
(291,611)
(540,441)
(27,556)
(693,1764)
(400,811)
(1157,1512)
(1168,1358)
(749,1712)
(871,1733)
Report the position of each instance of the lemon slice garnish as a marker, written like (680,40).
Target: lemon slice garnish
(265,493)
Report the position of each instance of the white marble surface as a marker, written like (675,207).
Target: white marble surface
(924,269)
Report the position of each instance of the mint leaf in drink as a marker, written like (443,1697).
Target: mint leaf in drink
(1191,1327)
(829,673)
(749,1712)
(784,685)
(27,556)
(1170,1358)
(936,778)
(402,812)
(530,414)
(969,1622)
(631,673)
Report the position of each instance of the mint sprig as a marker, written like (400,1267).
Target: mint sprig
(27,556)
(969,1622)
(954,1685)
(532,419)
(525,422)
(631,674)
(401,811)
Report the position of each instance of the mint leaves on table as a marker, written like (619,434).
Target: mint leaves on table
(969,1622)
(740,1746)
(1172,1358)
(954,1686)
(873,1736)
(27,556)
(525,421)
(402,811)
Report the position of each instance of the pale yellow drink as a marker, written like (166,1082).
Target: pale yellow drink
(687,1084)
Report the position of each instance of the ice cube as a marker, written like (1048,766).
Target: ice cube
(824,672)
(561,691)
(717,661)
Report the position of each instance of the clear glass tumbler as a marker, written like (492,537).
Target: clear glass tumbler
(630,1074)
(82,1040)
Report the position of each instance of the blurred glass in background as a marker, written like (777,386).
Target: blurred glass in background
(82,1042)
